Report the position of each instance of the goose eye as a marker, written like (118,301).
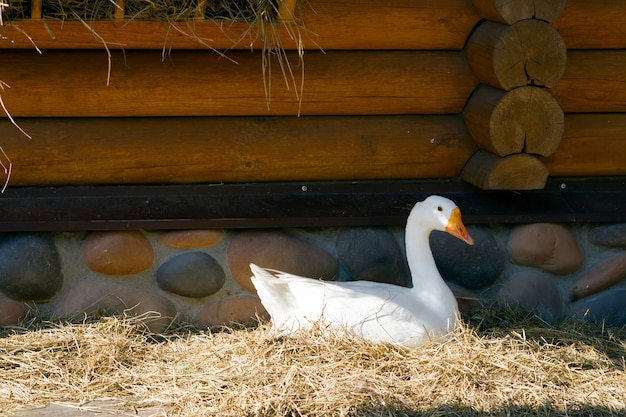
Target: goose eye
(439,208)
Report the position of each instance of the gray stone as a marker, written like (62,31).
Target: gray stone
(191,274)
(608,235)
(474,267)
(373,254)
(534,292)
(30,268)
(608,307)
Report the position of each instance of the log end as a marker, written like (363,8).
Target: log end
(509,12)
(529,52)
(514,172)
(526,119)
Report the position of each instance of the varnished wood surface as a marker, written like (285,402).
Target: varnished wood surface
(192,150)
(194,83)
(323,24)
(592,145)
(188,150)
(594,81)
(328,24)
(593,24)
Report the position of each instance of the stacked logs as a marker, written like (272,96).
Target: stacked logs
(517,55)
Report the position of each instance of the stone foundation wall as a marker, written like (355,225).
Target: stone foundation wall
(202,276)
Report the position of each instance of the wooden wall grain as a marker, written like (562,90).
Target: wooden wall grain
(385,83)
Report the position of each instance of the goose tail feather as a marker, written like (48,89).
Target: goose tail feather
(274,293)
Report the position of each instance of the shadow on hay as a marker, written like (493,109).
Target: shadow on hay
(503,411)
(506,321)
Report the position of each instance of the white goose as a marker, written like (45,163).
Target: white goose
(376,311)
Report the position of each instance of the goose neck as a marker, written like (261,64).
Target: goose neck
(422,265)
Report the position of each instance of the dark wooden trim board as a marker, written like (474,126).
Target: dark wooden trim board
(299,204)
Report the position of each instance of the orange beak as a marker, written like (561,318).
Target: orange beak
(456,227)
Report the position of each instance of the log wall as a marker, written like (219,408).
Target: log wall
(382,93)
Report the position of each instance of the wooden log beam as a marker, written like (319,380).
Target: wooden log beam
(529,52)
(526,119)
(191,83)
(592,145)
(509,12)
(519,171)
(594,81)
(299,204)
(578,24)
(328,24)
(196,150)
(104,151)
(325,24)
(73,83)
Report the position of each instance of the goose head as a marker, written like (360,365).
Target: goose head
(438,213)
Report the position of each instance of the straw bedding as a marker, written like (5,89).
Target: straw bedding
(495,364)
(159,10)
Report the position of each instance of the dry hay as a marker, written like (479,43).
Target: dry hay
(494,365)
(160,10)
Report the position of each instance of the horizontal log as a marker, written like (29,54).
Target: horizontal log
(325,24)
(69,84)
(593,81)
(526,119)
(593,24)
(179,150)
(509,12)
(191,83)
(215,150)
(592,144)
(529,52)
(318,204)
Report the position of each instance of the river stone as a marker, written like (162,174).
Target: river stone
(470,266)
(191,274)
(108,297)
(534,292)
(373,254)
(11,312)
(608,235)
(242,308)
(30,268)
(117,252)
(608,307)
(599,277)
(277,250)
(191,239)
(547,246)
